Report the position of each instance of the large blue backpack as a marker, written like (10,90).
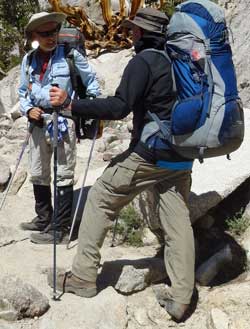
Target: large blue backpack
(207,119)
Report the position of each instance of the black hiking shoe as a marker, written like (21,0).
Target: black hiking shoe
(48,237)
(34,225)
(68,282)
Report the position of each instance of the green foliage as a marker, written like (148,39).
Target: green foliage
(169,6)
(238,224)
(14,15)
(6,44)
(130,227)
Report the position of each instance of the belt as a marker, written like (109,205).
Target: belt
(62,113)
(47,110)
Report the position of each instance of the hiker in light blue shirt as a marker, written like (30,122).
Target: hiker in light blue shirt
(40,69)
(57,72)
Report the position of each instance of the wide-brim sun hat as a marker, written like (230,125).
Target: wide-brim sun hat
(148,19)
(43,17)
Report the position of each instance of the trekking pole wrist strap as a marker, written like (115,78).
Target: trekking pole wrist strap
(90,96)
(66,103)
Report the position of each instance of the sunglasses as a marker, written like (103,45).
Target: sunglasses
(51,33)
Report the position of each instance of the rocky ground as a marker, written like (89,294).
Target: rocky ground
(120,304)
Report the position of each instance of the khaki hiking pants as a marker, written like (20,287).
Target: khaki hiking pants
(127,176)
(41,150)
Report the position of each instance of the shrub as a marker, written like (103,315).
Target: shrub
(14,16)
(130,227)
(238,224)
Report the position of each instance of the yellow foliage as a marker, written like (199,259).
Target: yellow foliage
(111,36)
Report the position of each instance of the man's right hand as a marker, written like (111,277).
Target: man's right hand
(35,113)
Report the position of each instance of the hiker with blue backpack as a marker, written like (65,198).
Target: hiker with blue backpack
(146,85)
(170,88)
(41,68)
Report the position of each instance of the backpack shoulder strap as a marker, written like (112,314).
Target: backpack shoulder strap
(165,55)
(161,52)
(165,130)
(69,56)
(30,56)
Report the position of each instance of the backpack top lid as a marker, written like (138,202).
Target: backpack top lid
(202,18)
(72,38)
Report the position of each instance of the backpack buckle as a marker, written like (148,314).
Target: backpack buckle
(163,29)
(201,154)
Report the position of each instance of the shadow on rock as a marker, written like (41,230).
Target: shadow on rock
(192,306)
(220,258)
(200,204)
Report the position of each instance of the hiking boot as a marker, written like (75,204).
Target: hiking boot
(68,282)
(34,225)
(65,201)
(48,237)
(175,309)
(43,209)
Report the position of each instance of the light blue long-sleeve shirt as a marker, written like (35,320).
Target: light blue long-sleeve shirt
(35,93)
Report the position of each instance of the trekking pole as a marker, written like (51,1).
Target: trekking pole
(114,233)
(25,143)
(55,146)
(83,185)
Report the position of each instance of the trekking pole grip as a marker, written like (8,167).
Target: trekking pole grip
(56,108)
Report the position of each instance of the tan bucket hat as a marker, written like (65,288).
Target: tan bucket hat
(148,19)
(43,17)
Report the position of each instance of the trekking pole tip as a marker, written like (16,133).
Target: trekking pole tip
(67,245)
(55,296)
